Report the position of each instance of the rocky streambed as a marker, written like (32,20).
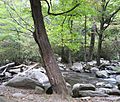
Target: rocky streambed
(82,80)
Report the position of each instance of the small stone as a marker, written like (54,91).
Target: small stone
(39,90)
(100,84)
(18,95)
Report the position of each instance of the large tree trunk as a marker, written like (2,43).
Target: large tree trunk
(40,36)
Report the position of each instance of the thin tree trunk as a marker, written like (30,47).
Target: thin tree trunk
(91,49)
(40,36)
(92,41)
(85,55)
(99,48)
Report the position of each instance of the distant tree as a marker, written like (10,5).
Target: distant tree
(92,41)
(106,13)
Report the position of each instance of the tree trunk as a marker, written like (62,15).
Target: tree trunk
(92,42)
(40,36)
(99,48)
(91,48)
(85,47)
(66,55)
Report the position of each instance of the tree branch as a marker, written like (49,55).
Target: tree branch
(107,4)
(56,14)
(108,20)
(16,20)
(19,15)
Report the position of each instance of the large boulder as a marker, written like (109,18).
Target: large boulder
(80,87)
(77,67)
(30,79)
(102,74)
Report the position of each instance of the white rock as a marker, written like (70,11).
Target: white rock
(118,79)
(77,67)
(92,63)
(111,80)
(30,79)
(18,95)
(102,74)
(93,70)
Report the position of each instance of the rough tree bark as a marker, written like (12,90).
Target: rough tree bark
(40,36)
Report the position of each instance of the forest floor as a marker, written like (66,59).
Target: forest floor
(7,94)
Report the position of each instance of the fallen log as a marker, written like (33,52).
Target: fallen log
(31,67)
(6,66)
(20,66)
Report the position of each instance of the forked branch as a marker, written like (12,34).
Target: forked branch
(56,14)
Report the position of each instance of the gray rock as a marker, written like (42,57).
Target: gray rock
(110,86)
(114,92)
(118,79)
(100,84)
(92,63)
(106,62)
(110,67)
(93,70)
(42,69)
(102,74)
(104,90)
(7,74)
(104,85)
(90,93)
(77,67)
(24,82)
(111,80)
(61,66)
(79,87)
(30,79)
(110,91)
(59,59)
(39,90)
(111,72)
